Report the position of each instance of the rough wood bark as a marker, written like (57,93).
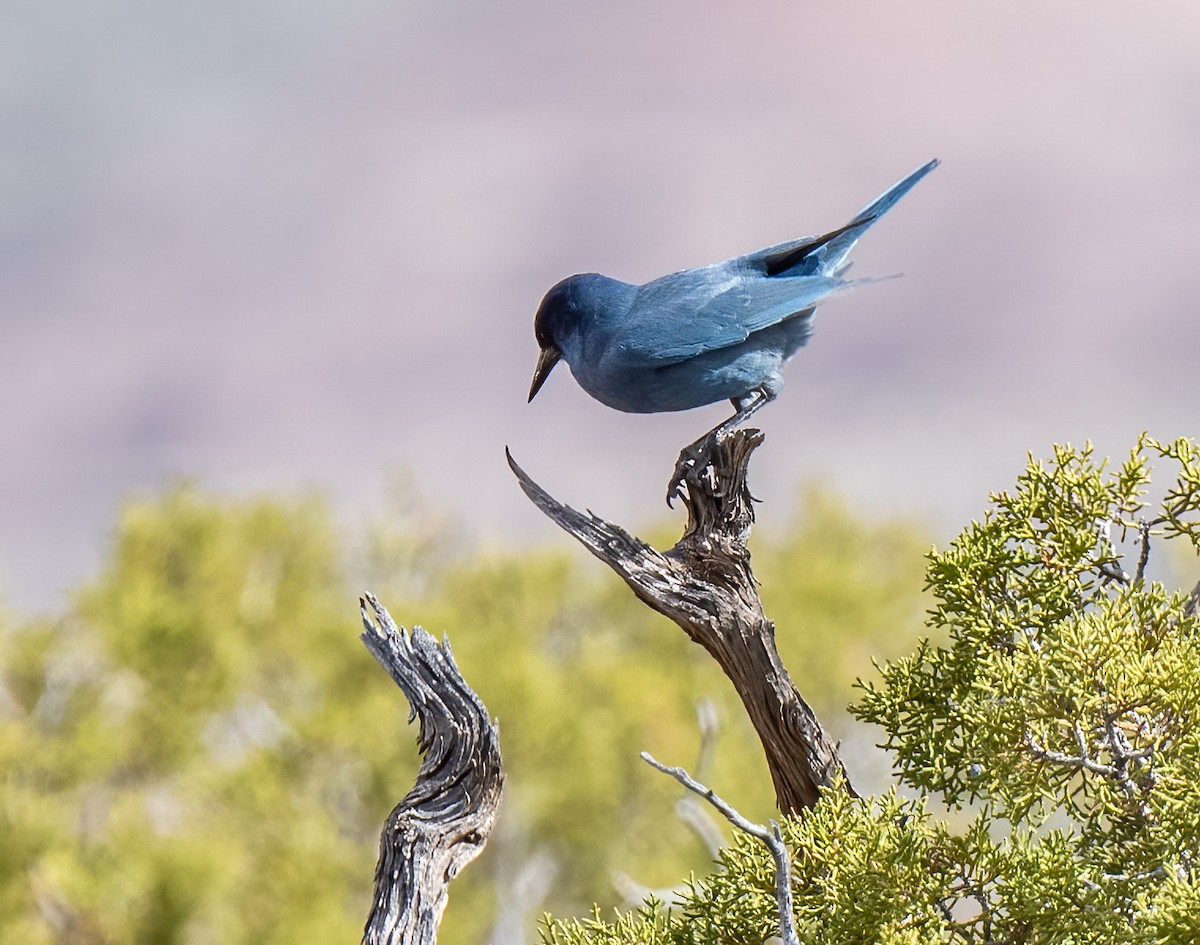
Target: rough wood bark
(444,821)
(706,586)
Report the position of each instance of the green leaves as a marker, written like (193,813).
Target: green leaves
(1063,706)
(1070,685)
(200,749)
(1062,660)
(1181,505)
(197,748)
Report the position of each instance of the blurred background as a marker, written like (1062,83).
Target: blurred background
(279,245)
(291,252)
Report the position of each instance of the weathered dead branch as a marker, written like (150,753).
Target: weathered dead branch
(444,821)
(706,586)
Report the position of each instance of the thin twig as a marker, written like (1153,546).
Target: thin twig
(1193,601)
(1110,568)
(1143,553)
(772,838)
(1083,760)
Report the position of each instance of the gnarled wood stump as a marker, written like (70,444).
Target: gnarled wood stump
(444,821)
(706,586)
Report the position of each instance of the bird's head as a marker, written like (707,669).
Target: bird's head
(571,310)
(550,324)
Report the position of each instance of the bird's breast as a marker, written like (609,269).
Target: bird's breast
(648,387)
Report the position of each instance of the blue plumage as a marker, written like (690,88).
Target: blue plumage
(701,335)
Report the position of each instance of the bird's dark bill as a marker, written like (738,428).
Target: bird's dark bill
(546,361)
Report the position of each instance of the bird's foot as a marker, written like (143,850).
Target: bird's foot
(693,459)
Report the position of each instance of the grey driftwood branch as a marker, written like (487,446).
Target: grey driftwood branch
(771,838)
(705,585)
(444,821)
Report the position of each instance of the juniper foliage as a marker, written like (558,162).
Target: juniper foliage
(1058,724)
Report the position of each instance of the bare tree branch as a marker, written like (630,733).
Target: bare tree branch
(695,815)
(1143,551)
(771,838)
(1193,601)
(706,586)
(444,821)
(521,889)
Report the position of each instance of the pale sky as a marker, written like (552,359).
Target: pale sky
(279,245)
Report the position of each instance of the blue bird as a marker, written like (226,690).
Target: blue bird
(719,332)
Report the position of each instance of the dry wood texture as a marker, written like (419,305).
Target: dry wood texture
(705,585)
(444,821)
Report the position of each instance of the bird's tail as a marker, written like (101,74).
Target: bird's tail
(838,248)
(890,197)
(828,253)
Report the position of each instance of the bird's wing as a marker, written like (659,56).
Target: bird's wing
(686,314)
(800,257)
(827,253)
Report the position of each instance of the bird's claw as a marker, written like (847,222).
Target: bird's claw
(692,460)
(675,486)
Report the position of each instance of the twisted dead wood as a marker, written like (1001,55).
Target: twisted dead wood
(706,586)
(444,821)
